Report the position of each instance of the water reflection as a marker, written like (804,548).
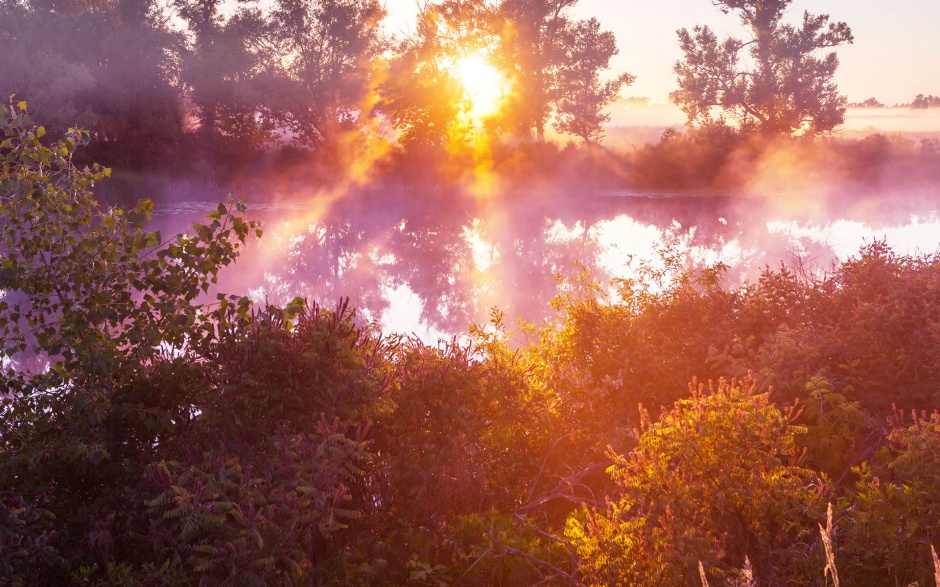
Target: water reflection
(434,265)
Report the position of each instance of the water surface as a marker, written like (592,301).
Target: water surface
(432,264)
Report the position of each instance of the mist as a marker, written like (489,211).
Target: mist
(433,258)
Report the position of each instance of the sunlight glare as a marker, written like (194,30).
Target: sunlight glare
(484,85)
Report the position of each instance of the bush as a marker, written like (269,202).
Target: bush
(888,521)
(714,481)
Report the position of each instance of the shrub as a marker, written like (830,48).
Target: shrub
(713,481)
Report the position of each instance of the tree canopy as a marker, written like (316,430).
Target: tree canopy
(773,81)
(230,83)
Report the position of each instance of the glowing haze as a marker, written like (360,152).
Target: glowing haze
(432,264)
(484,85)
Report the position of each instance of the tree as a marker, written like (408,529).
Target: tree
(230,71)
(923,102)
(582,95)
(105,66)
(868,103)
(422,92)
(136,103)
(330,47)
(551,66)
(42,75)
(555,64)
(532,48)
(785,87)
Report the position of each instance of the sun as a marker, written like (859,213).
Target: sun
(484,85)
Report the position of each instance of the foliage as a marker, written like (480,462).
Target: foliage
(155,434)
(27,541)
(556,64)
(714,480)
(922,102)
(552,67)
(867,329)
(106,67)
(786,89)
(281,367)
(698,157)
(98,315)
(463,440)
(513,550)
(331,47)
(888,521)
(533,45)
(582,96)
(267,519)
(607,356)
(835,430)
(422,94)
(230,75)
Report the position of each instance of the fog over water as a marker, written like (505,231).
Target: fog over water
(432,264)
(434,261)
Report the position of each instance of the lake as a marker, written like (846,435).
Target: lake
(431,265)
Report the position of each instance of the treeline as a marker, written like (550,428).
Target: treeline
(924,102)
(318,91)
(200,80)
(152,437)
(919,102)
(718,156)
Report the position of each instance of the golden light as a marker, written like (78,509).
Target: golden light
(485,87)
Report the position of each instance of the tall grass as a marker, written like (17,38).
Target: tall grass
(827,544)
(746,578)
(936,566)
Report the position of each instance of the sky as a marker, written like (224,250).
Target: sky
(896,54)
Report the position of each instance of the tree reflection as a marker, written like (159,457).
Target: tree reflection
(461,257)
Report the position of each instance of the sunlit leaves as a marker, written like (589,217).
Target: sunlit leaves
(887,522)
(714,479)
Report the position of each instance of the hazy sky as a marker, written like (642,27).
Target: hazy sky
(896,54)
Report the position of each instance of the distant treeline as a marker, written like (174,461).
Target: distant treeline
(151,436)
(920,102)
(318,91)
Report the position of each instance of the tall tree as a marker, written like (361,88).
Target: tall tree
(422,93)
(228,72)
(533,48)
(774,81)
(135,98)
(551,65)
(582,94)
(329,47)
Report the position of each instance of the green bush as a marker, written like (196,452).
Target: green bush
(713,481)
(888,521)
